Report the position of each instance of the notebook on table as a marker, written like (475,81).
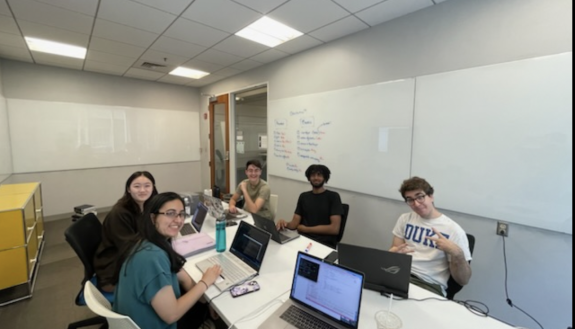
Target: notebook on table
(323,295)
(197,221)
(385,271)
(244,259)
(191,241)
(269,226)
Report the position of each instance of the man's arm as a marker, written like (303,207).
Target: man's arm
(458,265)
(398,245)
(291,225)
(331,229)
(233,200)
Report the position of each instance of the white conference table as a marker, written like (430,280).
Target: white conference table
(275,277)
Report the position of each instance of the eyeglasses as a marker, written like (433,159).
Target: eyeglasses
(173,214)
(419,198)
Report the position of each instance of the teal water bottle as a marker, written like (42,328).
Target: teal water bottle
(221,235)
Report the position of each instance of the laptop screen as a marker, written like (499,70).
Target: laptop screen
(250,244)
(199,216)
(330,289)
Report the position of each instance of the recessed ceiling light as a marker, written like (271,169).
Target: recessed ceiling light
(55,48)
(188,73)
(269,32)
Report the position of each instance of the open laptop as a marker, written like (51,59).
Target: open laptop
(321,293)
(216,207)
(269,225)
(197,221)
(385,271)
(244,259)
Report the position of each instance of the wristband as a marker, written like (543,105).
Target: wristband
(205,284)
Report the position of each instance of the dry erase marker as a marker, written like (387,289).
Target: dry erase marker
(307,249)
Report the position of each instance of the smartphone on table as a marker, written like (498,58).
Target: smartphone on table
(245,288)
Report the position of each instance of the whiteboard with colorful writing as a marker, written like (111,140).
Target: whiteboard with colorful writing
(362,134)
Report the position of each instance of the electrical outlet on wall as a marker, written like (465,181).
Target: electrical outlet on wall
(502,229)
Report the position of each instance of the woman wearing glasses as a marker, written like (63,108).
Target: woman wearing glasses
(255,191)
(438,245)
(121,225)
(150,278)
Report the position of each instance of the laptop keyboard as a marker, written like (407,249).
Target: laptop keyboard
(231,271)
(303,320)
(187,229)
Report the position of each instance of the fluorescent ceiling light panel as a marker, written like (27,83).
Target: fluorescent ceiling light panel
(55,48)
(268,32)
(189,73)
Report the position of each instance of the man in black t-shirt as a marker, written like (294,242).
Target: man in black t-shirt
(318,212)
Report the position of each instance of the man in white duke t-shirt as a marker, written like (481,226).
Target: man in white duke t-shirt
(438,245)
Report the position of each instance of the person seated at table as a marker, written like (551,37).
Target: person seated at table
(318,212)
(255,192)
(148,289)
(438,245)
(121,226)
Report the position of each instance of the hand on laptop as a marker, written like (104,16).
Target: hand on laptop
(232,209)
(402,249)
(212,274)
(281,225)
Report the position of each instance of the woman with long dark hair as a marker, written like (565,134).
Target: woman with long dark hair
(151,277)
(121,226)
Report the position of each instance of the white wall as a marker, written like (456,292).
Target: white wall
(449,36)
(102,187)
(5,151)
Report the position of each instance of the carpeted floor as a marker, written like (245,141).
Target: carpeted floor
(58,282)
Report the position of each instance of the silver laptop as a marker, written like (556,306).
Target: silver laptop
(269,225)
(216,208)
(323,295)
(385,271)
(197,221)
(244,259)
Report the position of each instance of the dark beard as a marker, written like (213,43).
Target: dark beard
(317,185)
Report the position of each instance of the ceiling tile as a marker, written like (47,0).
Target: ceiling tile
(354,6)
(143,74)
(55,60)
(227,72)
(171,6)
(391,9)
(30,29)
(177,47)
(205,80)
(269,56)
(338,29)
(197,64)
(115,47)
(193,32)
(98,56)
(42,13)
(225,14)
(16,53)
(174,79)
(246,65)
(4,10)
(262,6)
(114,31)
(104,68)
(163,68)
(299,15)
(298,44)
(86,7)
(162,58)
(218,57)
(13,40)
(8,25)
(240,46)
(135,15)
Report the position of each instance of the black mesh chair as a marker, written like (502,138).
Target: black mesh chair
(84,236)
(452,286)
(343,221)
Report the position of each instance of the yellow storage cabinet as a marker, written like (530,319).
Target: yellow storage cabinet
(21,239)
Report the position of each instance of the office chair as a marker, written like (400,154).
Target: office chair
(452,286)
(101,306)
(84,236)
(274,203)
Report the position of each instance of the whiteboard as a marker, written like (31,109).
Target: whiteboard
(362,134)
(52,136)
(496,141)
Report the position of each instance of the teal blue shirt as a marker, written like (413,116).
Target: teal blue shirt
(143,274)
